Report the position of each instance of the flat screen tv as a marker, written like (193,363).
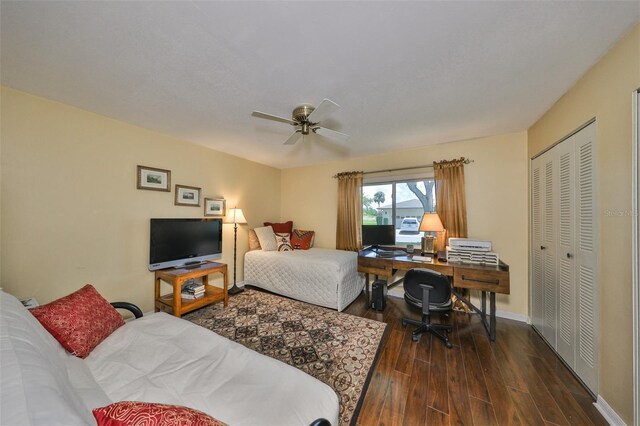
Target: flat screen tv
(184,242)
(378,235)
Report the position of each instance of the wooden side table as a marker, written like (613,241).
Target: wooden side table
(174,303)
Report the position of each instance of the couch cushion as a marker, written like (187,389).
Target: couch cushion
(35,387)
(79,321)
(136,413)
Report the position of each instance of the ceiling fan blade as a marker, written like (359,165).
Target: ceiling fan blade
(332,134)
(273,117)
(293,138)
(325,109)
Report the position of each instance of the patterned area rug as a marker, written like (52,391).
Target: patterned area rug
(336,348)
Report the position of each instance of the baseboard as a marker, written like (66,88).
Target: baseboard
(608,413)
(513,316)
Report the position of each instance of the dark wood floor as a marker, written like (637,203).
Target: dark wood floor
(515,380)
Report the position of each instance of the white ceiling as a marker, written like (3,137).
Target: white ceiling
(406,74)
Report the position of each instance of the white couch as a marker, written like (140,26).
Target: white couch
(157,358)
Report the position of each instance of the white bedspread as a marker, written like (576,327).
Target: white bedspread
(154,359)
(323,277)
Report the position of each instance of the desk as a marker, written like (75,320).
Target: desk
(487,279)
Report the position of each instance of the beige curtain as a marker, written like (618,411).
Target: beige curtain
(349,227)
(451,203)
(451,206)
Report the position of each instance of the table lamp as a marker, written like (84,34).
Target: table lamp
(236,217)
(430,223)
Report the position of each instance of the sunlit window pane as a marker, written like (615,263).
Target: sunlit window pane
(404,211)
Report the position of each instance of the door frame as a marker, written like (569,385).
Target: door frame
(635,250)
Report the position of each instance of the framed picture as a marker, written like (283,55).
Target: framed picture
(214,207)
(187,196)
(154,179)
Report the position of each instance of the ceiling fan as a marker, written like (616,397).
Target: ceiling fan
(307,118)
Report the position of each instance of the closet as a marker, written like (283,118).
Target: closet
(564,270)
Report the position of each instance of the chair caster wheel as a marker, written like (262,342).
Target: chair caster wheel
(448,345)
(415,338)
(404,323)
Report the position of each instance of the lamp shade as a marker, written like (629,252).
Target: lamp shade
(235,215)
(431,223)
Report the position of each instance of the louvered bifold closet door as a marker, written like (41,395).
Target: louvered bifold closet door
(537,271)
(566,253)
(586,258)
(548,247)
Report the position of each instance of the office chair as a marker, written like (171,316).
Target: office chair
(430,291)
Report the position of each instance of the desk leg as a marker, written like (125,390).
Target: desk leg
(492,318)
(366,284)
(484,305)
(491,327)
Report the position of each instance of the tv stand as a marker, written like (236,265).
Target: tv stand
(174,303)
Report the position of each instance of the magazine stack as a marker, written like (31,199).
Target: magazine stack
(192,290)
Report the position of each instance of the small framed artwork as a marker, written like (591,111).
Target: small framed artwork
(154,179)
(187,196)
(214,207)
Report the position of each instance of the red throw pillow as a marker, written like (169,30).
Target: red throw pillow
(281,228)
(302,240)
(134,413)
(79,321)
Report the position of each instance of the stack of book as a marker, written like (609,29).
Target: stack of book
(192,290)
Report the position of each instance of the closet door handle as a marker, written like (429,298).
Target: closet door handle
(543,248)
(569,256)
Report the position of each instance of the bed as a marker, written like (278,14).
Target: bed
(319,276)
(158,359)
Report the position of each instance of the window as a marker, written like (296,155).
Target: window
(399,203)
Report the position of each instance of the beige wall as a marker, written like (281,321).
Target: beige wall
(604,92)
(71,213)
(496,188)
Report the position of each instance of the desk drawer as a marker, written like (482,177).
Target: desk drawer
(376,266)
(487,280)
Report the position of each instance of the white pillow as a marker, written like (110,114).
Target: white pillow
(267,238)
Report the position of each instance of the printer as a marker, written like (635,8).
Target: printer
(469,244)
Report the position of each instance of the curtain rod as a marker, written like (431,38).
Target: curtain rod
(429,166)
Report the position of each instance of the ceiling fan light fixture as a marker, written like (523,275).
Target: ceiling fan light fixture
(301,112)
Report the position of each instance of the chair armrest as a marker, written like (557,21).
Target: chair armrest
(137,312)
(320,422)
(426,300)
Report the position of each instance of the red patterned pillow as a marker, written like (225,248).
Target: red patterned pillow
(302,240)
(134,413)
(281,228)
(79,321)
